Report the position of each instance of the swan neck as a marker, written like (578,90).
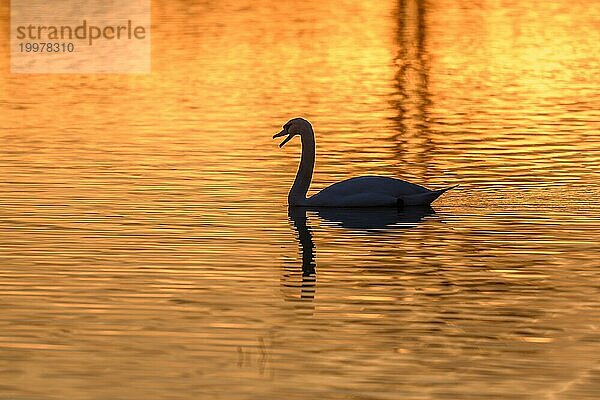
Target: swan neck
(297,195)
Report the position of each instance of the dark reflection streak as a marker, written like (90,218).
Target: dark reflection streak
(412,81)
(402,65)
(423,90)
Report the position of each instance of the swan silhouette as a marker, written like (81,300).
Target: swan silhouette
(363,191)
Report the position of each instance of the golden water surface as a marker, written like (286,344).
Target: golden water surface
(147,251)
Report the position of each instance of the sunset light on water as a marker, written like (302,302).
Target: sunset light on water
(147,248)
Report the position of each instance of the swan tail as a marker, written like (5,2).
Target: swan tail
(424,199)
(446,189)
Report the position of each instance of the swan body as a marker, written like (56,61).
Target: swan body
(363,191)
(373,191)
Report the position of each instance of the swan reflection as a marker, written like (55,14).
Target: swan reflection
(363,220)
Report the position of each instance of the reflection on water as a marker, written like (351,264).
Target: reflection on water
(374,218)
(412,80)
(146,248)
(369,220)
(299,221)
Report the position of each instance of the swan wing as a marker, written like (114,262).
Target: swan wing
(373,184)
(373,191)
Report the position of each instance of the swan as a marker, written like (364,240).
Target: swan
(363,191)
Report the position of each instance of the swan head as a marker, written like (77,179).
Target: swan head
(295,126)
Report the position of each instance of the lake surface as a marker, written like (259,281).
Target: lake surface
(147,251)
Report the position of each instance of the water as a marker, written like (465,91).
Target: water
(147,250)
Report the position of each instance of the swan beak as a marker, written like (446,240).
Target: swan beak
(283,133)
